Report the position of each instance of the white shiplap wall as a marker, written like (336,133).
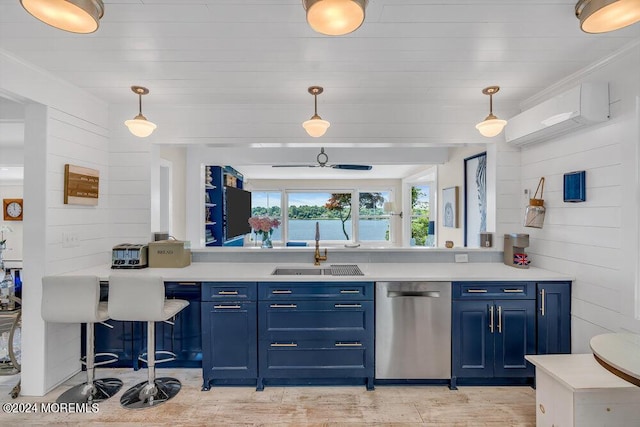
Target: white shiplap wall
(595,241)
(63,124)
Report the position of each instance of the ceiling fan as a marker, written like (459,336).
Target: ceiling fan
(323,161)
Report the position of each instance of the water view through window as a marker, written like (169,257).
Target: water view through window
(333,212)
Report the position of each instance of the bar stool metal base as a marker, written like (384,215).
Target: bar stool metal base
(102,389)
(145,395)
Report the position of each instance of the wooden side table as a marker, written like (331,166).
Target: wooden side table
(574,390)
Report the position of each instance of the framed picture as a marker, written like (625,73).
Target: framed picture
(450,207)
(475,199)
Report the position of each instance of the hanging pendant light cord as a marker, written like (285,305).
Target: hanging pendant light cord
(140,104)
(490,104)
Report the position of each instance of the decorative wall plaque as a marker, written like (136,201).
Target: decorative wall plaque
(80,185)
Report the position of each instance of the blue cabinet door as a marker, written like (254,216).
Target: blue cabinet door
(472,339)
(229,340)
(554,317)
(514,337)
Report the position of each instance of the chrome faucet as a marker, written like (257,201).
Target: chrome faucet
(316,256)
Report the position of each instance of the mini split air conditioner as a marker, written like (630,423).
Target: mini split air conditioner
(581,106)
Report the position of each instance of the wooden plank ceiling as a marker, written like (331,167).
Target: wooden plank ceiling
(235,72)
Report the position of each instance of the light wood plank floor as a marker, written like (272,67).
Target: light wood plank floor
(291,406)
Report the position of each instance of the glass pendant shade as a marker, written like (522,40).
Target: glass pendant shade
(335,17)
(491,126)
(600,16)
(140,126)
(315,126)
(75,16)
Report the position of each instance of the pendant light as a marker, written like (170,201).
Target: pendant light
(139,125)
(600,16)
(315,126)
(335,17)
(491,126)
(75,16)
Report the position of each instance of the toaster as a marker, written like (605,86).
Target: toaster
(128,255)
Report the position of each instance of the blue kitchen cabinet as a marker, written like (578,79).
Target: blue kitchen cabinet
(181,334)
(316,333)
(128,340)
(229,333)
(554,317)
(494,327)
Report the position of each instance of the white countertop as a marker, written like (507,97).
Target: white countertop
(578,372)
(253,272)
(621,351)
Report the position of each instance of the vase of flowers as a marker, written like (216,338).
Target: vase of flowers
(263,226)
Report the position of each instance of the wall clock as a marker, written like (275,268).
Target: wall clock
(12,209)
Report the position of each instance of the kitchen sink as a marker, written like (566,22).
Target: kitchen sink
(334,270)
(301,271)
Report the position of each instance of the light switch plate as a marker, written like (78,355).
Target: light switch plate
(462,257)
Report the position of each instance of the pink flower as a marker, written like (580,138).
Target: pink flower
(263,224)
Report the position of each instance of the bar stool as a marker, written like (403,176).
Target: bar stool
(76,299)
(142,299)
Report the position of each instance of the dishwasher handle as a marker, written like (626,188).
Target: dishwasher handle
(400,294)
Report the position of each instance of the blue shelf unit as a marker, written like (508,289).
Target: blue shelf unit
(214,206)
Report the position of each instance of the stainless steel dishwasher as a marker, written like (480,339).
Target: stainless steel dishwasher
(413,330)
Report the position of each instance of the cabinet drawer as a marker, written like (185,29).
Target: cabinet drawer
(317,318)
(230,291)
(314,359)
(316,290)
(493,290)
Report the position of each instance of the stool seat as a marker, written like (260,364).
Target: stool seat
(76,299)
(173,307)
(142,298)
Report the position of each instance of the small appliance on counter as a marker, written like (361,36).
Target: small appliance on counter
(169,254)
(129,255)
(514,254)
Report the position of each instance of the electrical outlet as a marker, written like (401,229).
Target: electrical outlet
(462,257)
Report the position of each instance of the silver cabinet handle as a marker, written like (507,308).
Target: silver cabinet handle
(283,306)
(227,306)
(347,305)
(477,291)
(188,283)
(349,291)
(281,291)
(283,344)
(542,298)
(491,318)
(227,292)
(348,344)
(499,319)
(513,291)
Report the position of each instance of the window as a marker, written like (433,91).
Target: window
(373,223)
(421,232)
(332,211)
(267,203)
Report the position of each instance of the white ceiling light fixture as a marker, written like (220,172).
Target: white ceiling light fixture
(139,125)
(315,126)
(335,17)
(75,16)
(600,16)
(491,126)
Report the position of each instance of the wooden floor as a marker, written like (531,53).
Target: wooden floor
(291,406)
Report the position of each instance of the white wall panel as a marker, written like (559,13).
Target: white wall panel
(595,241)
